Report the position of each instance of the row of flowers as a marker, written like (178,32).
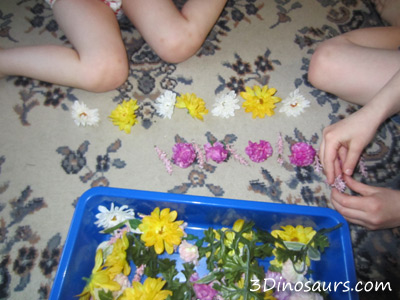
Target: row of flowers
(259,101)
(185,154)
(234,259)
(302,154)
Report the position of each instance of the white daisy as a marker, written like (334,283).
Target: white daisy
(225,105)
(294,104)
(114,216)
(165,104)
(83,116)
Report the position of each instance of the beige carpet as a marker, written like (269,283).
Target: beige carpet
(47,161)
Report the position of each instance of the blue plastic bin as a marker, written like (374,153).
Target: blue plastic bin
(77,260)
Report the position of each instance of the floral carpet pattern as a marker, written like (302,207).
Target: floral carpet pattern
(47,162)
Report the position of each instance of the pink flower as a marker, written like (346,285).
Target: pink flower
(259,152)
(184,154)
(279,144)
(216,152)
(200,155)
(302,154)
(163,157)
(188,252)
(236,155)
(339,184)
(139,273)
(204,291)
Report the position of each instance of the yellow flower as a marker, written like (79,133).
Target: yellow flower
(161,230)
(150,290)
(116,261)
(298,234)
(268,295)
(230,235)
(124,115)
(196,106)
(260,101)
(100,279)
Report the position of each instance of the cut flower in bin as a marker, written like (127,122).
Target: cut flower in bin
(154,256)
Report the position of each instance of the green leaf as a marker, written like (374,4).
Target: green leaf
(112,229)
(208,278)
(105,296)
(190,237)
(134,223)
(294,246)
(314,254)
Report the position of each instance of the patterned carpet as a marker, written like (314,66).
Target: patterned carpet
(47,162)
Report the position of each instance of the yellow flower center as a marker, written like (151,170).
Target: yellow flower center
(160,231)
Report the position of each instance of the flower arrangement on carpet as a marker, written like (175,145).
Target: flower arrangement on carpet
(223,263)
(302,155)
(259,101)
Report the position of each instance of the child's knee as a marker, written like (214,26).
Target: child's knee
(105,74)
(322,64)
(178,48)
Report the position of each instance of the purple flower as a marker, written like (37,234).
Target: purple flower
(259,152)
(273,279)
(204,291)
(302,154)
(282,295)
(184,154)
(216,152)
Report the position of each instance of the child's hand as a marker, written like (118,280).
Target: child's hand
(375,208)
(343,143)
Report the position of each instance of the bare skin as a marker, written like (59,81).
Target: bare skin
(98,61)
(362,67)
(389,10)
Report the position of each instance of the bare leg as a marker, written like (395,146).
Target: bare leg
(389,10)
(174,35)
(98,61)
(355,66)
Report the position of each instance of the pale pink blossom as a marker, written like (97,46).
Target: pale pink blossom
(163,157)
(280,149)
(236,155)
(339,184)
(139,273)
(363,167)
(189,252)
(317,164)
(200,155)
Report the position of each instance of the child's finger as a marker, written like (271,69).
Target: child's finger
(352,158)
(358,187)
(351,206)
(329,160)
